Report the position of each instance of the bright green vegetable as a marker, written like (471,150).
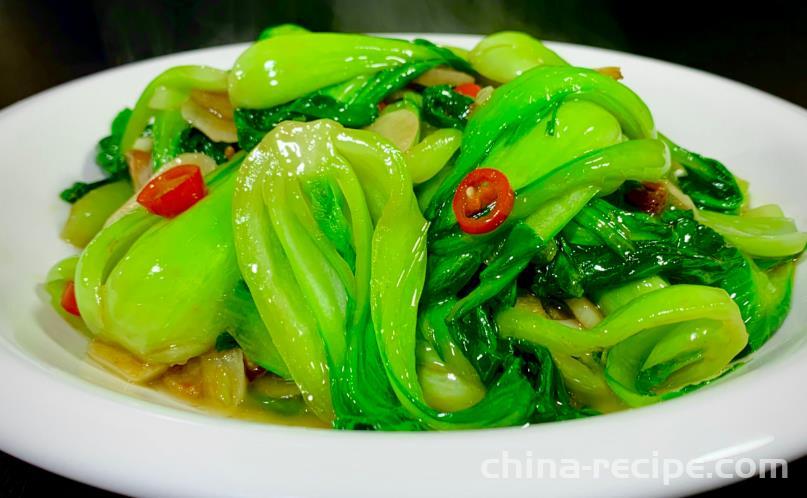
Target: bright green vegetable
(575,129)
(443,389)
(282,30)
(622,269)
(297,275)
(169,125)
(275,246)
(758,236)
(247,331)
(169,91)
(352,103)
(79,189)
(606,169)
(88,214)
(431,155)
(301,281)
(281,69)
(572,167)
(134,288)
(506,55)
(347,92)
(707,182)
(59,275)
(658,343)
(605,245)
(512,110)
(764,297)
(109,159)
(110,150)
(445,108)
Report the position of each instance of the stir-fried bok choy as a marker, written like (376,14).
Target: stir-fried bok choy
(372,233)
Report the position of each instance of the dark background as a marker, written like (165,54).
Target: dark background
(44,43)
(47,42)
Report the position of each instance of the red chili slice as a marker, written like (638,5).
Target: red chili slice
(173,192)
(650,197)
(483,200)
(468,89)
(69,303)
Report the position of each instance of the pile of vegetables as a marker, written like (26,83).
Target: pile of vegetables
(394,235)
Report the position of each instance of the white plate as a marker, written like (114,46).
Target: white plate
(62,414)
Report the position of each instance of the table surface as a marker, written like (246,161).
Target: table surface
(763,47)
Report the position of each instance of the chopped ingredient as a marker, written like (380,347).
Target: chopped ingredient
(69,303)
(173,192)
(483,201)
(650,197)
(468,89)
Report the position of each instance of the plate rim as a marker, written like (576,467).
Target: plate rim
(12,360)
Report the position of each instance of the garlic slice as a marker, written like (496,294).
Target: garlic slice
(443,76)
(211,115)
(123,363)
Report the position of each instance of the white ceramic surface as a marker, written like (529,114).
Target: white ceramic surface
(65,415)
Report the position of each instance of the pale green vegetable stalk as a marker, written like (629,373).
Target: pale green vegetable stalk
(88,214)
(169,91)
(157,287)
(432,154)
(280,69)
(510,124)
(762,234)
(504,56)
(168,124)
(450,382)
(57,279)
(606,169)
(318,299)
(443,388)
(656,343)
(577,128)
(308,294)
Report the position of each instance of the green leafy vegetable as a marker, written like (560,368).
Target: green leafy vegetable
(135,287)
(225,341)
(445,108)
(328,252)
(109,158)
(506,55)
(684,333)
(281,30)
(169,127)
(80,189)
(605,245)
(193,140)
(329,87)
(758,236)
(431,155)
(110,153)
(91,211)
(167,92)
(353,103)
(515,108)
(707,182)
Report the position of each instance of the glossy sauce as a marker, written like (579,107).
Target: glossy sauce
(251,410)
(268,399)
